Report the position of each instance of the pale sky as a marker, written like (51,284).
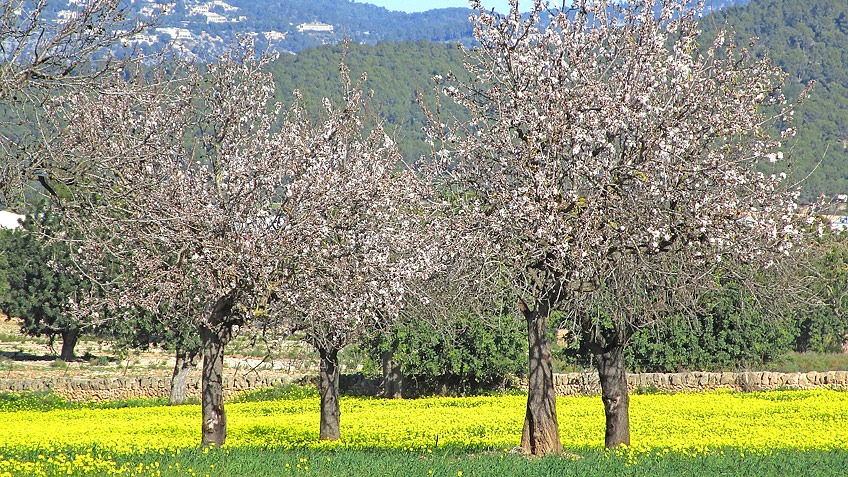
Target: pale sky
(422,5)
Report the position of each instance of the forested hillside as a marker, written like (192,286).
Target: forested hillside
(360,22)
(396,73)
(809,40)
(292,25)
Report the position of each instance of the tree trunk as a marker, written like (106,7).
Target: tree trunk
(328,388)
(613,376)
(69,342)
(186,361)
(541,429)
(214,335)
(802,342)
(392,376)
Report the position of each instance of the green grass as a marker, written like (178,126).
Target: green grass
(47,401)
(586,462)
(59,364)
(20,338)
(806,362)
(283,391)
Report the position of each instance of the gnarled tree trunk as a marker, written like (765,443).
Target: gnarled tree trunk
(392,376)
(541,428)
(607,348)
(215,335)
(186,361)
(69,342)
(614,393)
(328,388)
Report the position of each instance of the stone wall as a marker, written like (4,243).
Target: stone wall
(85,389)
(588,383)
(78,389)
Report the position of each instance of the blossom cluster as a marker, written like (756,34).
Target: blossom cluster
(609,130)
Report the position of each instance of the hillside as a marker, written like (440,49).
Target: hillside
(205,28)
(401,52)
(396,72)
(809,40)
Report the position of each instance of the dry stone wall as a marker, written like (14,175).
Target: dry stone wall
(588,383)
(77,389)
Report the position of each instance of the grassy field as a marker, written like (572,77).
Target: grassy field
(805,362)
(340,462)
(722,433)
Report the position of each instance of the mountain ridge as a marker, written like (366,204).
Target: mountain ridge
(205,28)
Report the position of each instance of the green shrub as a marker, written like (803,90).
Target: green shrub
(465,354)
(724,346)
(805,362)
(58,364)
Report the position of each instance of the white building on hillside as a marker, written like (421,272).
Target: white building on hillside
(10,220)
(274,35)
(315,27)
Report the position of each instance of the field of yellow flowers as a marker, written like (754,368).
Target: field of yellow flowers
(428,436)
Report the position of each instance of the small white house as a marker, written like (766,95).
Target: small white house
(315,27)
(10,220)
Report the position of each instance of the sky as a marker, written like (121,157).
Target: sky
(422,5)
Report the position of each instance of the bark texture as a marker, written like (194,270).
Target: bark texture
(69,342)
(392,377)
(609,361)
(328,388)
(615,395)
(186,362)
(541,428)
(215,335)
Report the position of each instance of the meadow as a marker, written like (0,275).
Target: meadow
(716,433)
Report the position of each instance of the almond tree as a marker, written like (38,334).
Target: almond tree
(604,135)
(639,291)
(177,179)
(359,216)
(40,56)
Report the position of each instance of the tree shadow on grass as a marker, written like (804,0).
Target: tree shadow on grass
(24,356)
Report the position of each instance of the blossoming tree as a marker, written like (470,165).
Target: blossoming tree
(359,215)
(176,180)
(215,201)
(607,136)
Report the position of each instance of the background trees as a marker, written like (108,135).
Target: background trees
(172,327)
(606,146)
(804,39)
(43,283)
(726,329)
(397,72)
(462,353)
(824,327)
